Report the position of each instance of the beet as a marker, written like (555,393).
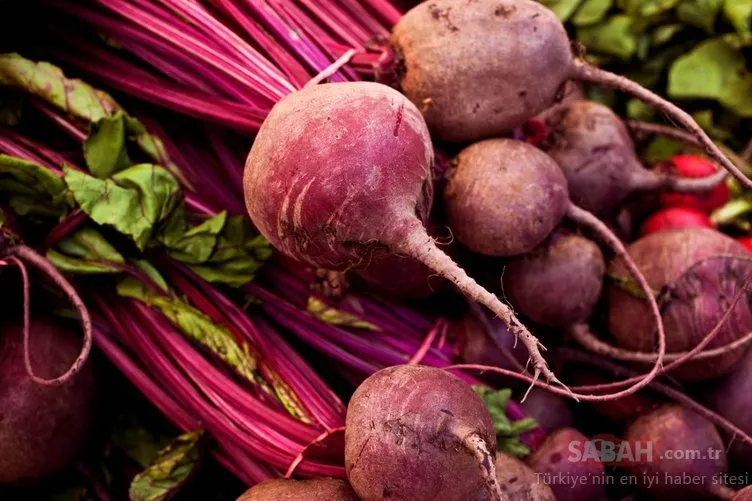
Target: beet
(559,283)
(519,482)
(554,461)
(728,398)
(320,489)
(665,433)
(463,64)
(549,410)
(418,433)
(744,495)
(593,147)
(696,272)
(475,345)
(504,197)
(41,427)
(339,173)
(675,217)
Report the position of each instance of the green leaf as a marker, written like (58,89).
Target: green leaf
(133,201)
(637,110)
(139,444)
(11,109)
(237,256)
(591,12)
(31,188)
(86,251)
(191,245)
(150,271)
(613,37)
(738,12)
(651,8)
(48,82)
(713,70)
(664,33)
(507,432)
(105,147)
(661,149)
(171,469)
(562,8)
(196,326)
(333,316)
(705,120)
(700,13)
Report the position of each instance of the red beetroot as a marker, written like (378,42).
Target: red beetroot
(41,427)
(668,432)
(696,272)
(320,489)
(555,461)
(675,217)
(695,166)
(340,173)
(418,433)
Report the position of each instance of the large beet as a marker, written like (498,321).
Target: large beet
(676,444)
(559,283)
(41,427)
(320,489)
(400,277)
(696,273)
(418,433)
(559,467)
(504,197)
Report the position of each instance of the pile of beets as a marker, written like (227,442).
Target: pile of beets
(599,288)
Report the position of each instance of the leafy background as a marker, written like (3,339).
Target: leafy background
(695,52)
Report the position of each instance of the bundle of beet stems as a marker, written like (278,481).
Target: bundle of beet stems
(225,64)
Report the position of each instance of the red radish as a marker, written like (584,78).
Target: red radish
(746,242)
(463,64)
(694,166)
(675,217)
(340,173)
(320,489)
(41,427)
(418,433)
(559,457)
(695,272)
(669,437)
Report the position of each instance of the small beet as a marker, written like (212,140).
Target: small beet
(675,217)
(695,271)
(594,149)
(475,345)
(693,166)
(320,489)
(559,283)
(418,433)
(518,482)
(462,63)
(549,410)
(504,197)
(557,465)
(41,427)
(666,433)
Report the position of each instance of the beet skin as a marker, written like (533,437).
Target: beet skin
(41,427)
(320,489)
(406,437)
(695,271)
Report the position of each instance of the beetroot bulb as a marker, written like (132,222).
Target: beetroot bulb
(696,271)
(463,65)
(556,464)
(416,433)
(42,427)
(593,147)
(518,481)
(728,397)
(665,433)
(340,173)
(320,489)
(557,284)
